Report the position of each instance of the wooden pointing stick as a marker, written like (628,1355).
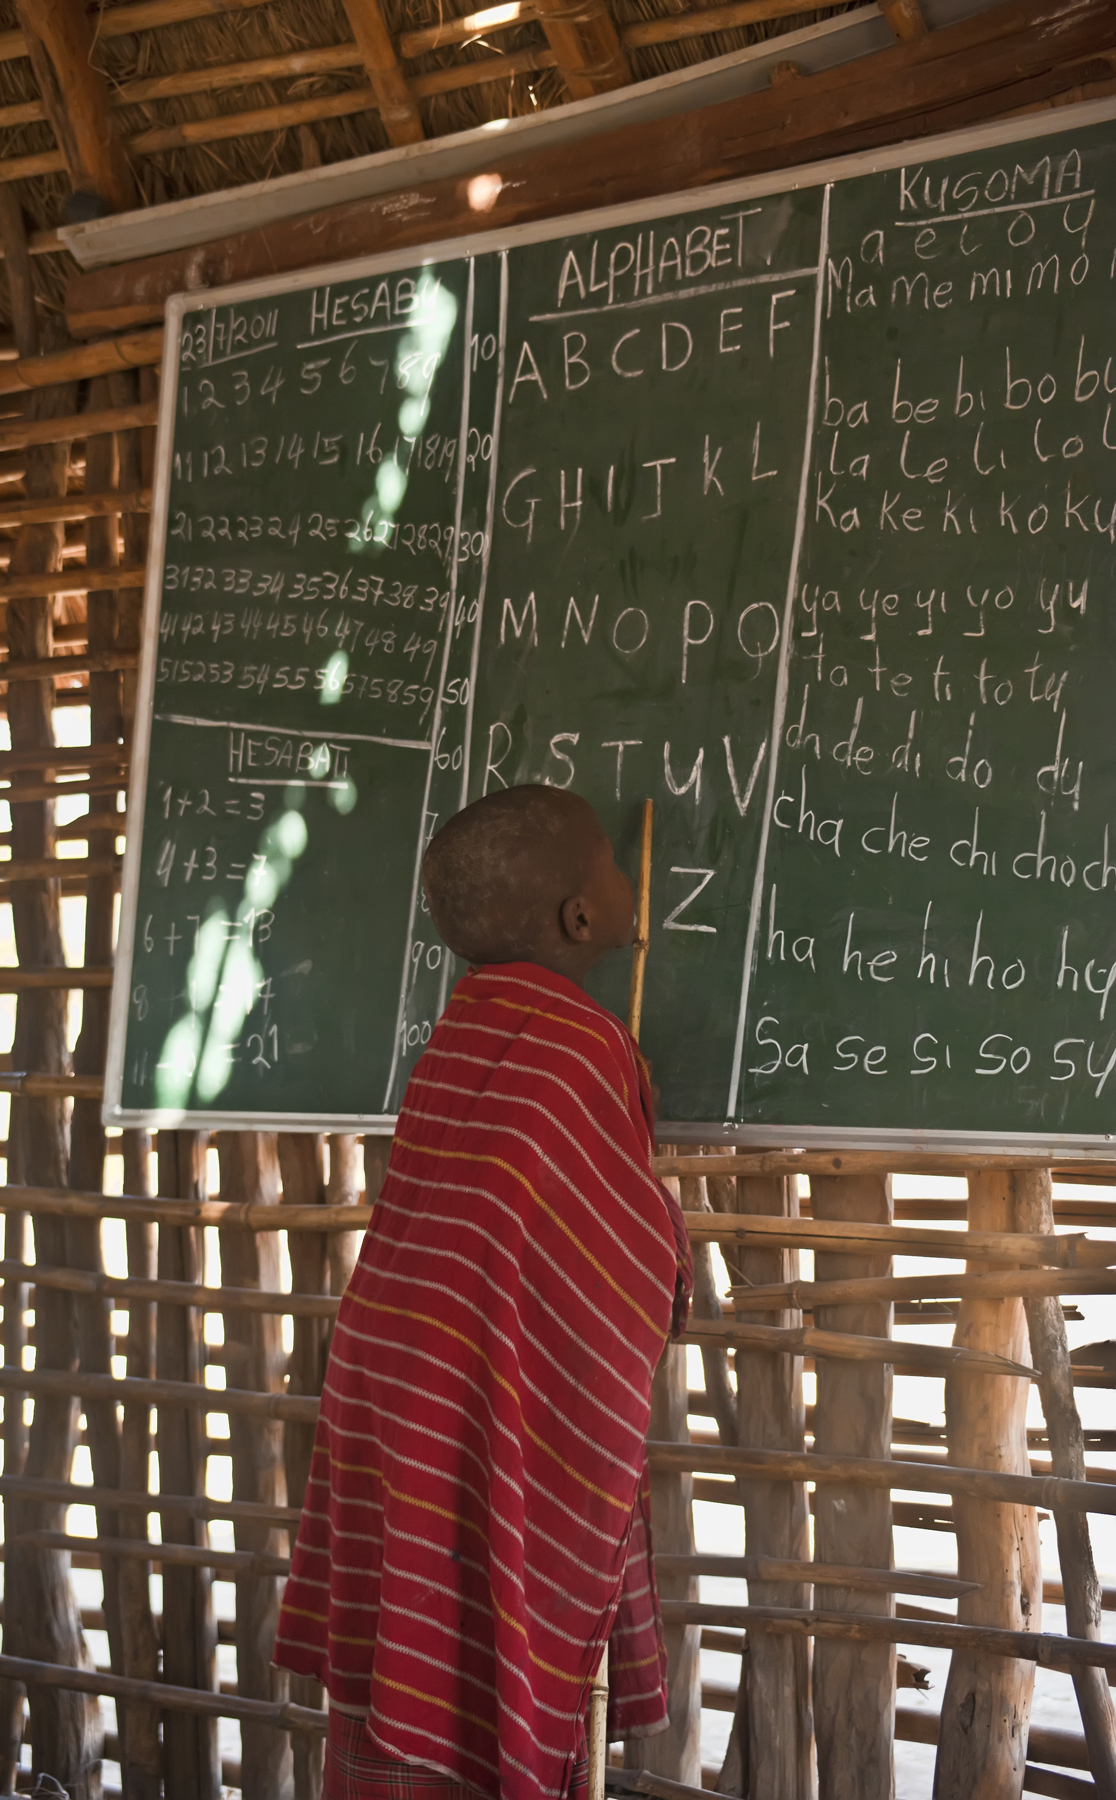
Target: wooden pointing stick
(598,1689)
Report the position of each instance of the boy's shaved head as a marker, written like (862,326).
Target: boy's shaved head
(527,875)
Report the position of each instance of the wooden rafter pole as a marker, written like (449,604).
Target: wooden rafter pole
(59,39)
(906,20)
(394,102)
(591,58)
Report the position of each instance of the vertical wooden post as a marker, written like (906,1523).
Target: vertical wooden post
(343,1189)
(191,1765)
(254,1359)
(41,1617)
(986,1707)
(140,1752)
(1046,1325)
(854,1684)
(302,1165)
(15,1454)
(772,1416)
(676,1752)
(87,1137)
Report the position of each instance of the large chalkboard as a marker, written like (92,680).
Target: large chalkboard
(793,507)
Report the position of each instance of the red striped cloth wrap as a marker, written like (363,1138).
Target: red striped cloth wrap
(476,1523)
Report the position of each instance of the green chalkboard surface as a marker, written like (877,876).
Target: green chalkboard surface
(793,508)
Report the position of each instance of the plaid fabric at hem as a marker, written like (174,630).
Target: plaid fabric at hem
(356,1770)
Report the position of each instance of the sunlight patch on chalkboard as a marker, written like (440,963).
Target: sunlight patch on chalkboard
(225,979)
(420,355)
(333,678)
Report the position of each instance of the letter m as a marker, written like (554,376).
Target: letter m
(520,625)
(911,288)
(1030,176)
(839,276)
(1040,269)
(986,278)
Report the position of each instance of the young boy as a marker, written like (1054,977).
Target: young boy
(476,1527)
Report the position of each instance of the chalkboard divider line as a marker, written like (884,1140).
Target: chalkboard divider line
(215,362)
(695,293)
(436,722)
(779,706)
(348,737)
(987,212)
(169,346)
(342,337)
(289,781)
(489,521)
(486,558)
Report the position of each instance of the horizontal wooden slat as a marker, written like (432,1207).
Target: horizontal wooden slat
(61,790)
(27,980)
(223,1562)
(47,868)
(772,1568)
(69,1204)
(1038,1647)
(284,1716)
(1064,1250)
(62,756)
(73,506)
(132,350)
(130,1390)
(74,580)
(887,1474)
(178,1293)
(48,1087)
(91,662)
(844,1346)
(77,425)
(190,1506)
(997,1285)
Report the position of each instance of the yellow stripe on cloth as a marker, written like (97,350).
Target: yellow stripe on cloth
(458,1712)
(431,1319)
(509,1169)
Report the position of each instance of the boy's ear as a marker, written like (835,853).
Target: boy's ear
(576,922)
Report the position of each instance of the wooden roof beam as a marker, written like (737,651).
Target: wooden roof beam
(59,42)
(591,58)
(394,101)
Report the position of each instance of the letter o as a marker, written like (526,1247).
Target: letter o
(998,175)
(1018,1067)
(1002,604)
(630,612)
(759,606)
(1018,982)
(1028,233)
(987,767)
(1031,526)
(1000,690)
(1079,270)
(1067,863)
(1073,446)
(1048,382)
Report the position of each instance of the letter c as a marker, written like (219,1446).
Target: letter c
(620,342)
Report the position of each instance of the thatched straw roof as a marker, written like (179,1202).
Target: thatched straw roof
(251,31)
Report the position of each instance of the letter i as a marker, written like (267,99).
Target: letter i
(611,474)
